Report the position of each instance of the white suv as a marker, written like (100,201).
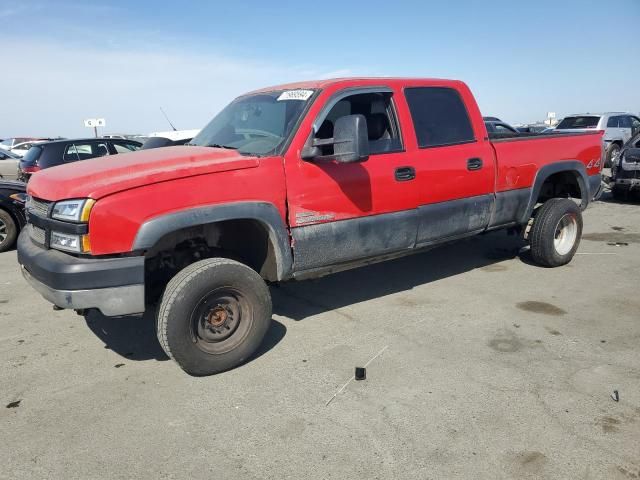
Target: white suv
(618,128)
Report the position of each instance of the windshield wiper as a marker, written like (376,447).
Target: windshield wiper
(217,145)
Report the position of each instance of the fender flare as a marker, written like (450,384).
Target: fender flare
(267,214)
(572,166)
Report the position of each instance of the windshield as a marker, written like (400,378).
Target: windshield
(255,124)
(578,122)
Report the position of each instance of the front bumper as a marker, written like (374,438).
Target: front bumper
(115,286)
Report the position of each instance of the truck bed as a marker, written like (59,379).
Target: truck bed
(520,156)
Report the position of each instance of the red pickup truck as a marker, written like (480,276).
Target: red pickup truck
(291,182)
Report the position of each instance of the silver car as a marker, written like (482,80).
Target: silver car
(9,165)
(618,128)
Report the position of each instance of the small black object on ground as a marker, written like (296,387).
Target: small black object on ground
(615,396)
(361,373)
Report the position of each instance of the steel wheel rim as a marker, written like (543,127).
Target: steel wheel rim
(566,234)
(3,231)
(220,320)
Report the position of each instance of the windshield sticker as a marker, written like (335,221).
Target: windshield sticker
(295,95)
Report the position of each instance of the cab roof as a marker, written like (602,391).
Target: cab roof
(357,81)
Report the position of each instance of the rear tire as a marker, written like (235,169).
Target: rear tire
(8,231)
(612,154)
(213,316)
(556,232)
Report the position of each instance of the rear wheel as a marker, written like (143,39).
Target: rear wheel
(8,231)
(213,315)
(556,232)
(612,155)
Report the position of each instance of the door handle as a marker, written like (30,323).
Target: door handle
(404,174)
(474,164)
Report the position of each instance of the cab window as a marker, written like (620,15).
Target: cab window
(379,113)
(439,116)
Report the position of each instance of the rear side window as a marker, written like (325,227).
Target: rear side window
(625,122)
(85,151)
(439,116)
(613,122)
(125,147)
(578,122)
(31,157)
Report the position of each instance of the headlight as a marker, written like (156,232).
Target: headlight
(73,210)
(70,243)
(19,197)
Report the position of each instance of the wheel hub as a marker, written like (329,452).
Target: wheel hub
(3,231)
(566,234)
(216,318)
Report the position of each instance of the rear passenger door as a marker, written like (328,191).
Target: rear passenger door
(454,168)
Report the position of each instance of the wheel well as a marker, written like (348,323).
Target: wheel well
(245,240)
(560,185)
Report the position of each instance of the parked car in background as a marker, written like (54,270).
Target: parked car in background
(175,135)
(491,119)
(12,216)
(158,142)
(21,149)
(8,165)
(9,143)
(59,152)
(499,128)
(625,171)
(618,128)
(533,128)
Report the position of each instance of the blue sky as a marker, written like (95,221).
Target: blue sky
(69,60)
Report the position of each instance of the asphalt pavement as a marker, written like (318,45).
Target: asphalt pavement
(480,365)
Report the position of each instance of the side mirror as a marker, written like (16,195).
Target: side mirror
(350,141)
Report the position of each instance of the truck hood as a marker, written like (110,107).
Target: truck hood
(104,176)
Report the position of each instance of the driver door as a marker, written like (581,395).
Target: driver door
(344,212)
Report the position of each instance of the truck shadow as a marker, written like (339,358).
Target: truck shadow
(299,300)
(135,337)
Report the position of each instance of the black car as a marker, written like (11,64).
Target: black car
(625,169)
(499,129)
(59,152)
(12,219)
(159,142)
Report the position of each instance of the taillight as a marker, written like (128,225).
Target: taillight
(33,169)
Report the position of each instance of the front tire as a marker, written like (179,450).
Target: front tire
(8,231)
(556,232)
(213,316)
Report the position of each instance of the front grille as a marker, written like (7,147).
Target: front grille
(37,234)
(38,207)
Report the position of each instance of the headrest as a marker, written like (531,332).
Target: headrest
(377,125)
